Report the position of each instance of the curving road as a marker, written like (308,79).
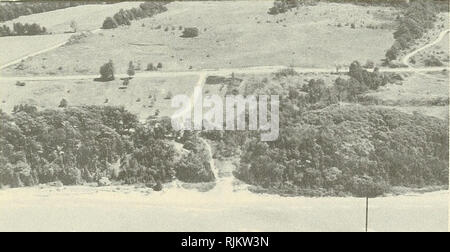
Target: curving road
(411,54)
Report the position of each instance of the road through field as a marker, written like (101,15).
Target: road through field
(222,72)
(411,54)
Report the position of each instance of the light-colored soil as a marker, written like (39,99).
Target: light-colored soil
(178,209)
(14,48)
(232,34)
(135,98)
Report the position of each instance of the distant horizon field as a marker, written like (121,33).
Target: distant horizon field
(308,37)
(87,17)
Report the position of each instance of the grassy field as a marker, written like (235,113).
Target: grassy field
(87,17)
(425,94)
(135,98)
(232,34)
(21,46)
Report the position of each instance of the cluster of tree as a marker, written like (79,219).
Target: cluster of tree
(12,10)
(349,150)
(124,17)
(76,145)
(418,18)
(326,148)
(344,90)
(20,29)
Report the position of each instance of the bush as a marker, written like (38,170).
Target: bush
(107,71)
(150,67)
(63,103)
(131,70)
(432,61)
(109,23)
(190,32)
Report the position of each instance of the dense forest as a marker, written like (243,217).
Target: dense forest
(9,10)
(353,149)
(86,144)
(328,146)
(124,17)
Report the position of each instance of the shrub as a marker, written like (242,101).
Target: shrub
(432,61)
(109,23)
(150,67)
(107,71)
(63,103)
(190,32)
(131,70)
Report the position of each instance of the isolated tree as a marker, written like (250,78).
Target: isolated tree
(159,65)
(74,25)
(107,71)
(150,67)
(131,70)
(109,23)
(190,32)
(63,103)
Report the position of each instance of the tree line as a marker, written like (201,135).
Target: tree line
(75,145)
(418,18)
(9,10)
(20,29)
(124,17)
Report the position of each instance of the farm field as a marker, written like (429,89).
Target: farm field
(316,36)
(137,98)
(88,17)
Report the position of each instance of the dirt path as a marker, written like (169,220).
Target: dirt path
(411,54)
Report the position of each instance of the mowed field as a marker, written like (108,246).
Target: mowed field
(87,17)
(232,34)
(142,97)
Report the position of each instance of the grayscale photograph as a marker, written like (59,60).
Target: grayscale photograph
(224,116)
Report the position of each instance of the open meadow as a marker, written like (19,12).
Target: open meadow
(143,96)
(315,36)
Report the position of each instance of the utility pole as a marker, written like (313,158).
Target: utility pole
(367,213)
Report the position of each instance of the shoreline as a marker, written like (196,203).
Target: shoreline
(206,187)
